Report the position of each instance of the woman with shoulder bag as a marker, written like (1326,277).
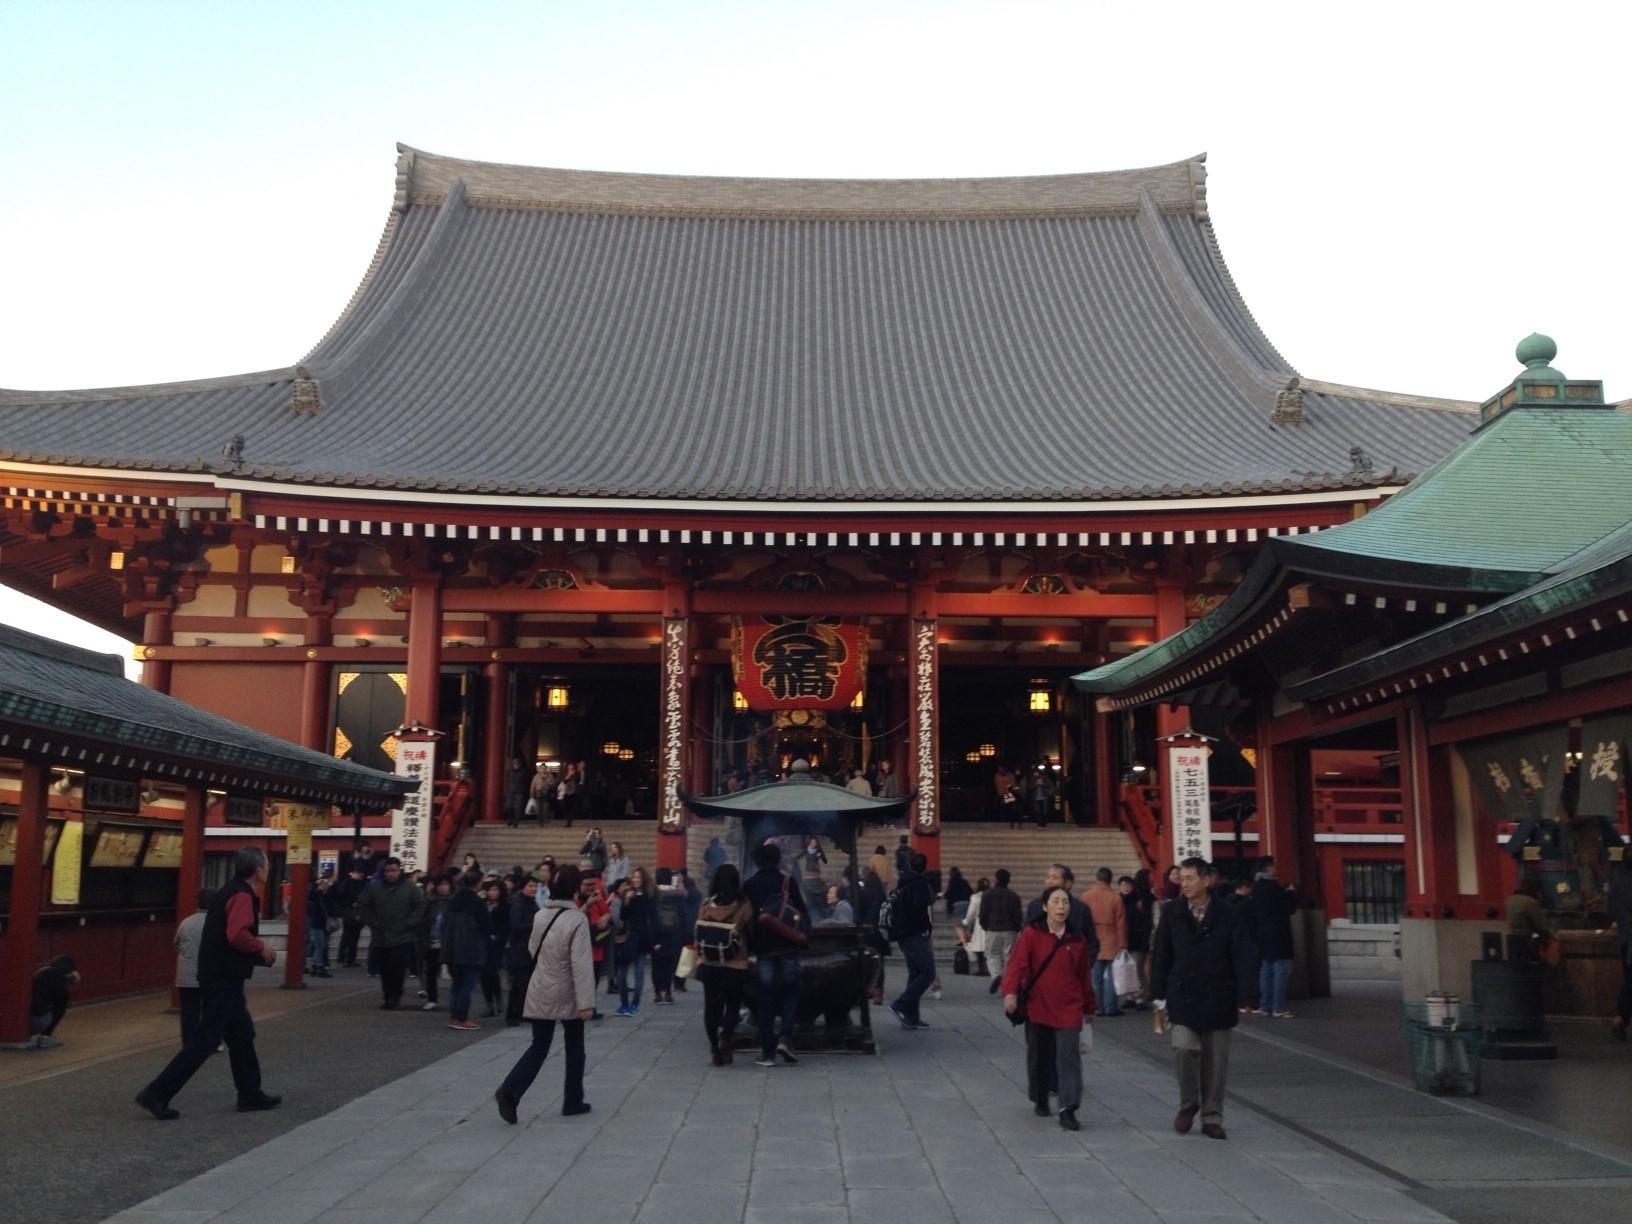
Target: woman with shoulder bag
(1047,982)
(561,988)
(722,948)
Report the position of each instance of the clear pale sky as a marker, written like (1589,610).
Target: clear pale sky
(1402,190)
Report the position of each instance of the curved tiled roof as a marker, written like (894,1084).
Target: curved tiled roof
(566,333)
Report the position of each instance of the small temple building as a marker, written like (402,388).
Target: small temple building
(1474,631)
(682,479)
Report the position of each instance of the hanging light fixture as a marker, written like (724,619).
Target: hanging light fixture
(987,750)
(557,697)
(626,754)
(972,756)
(611,748)
(1041,700)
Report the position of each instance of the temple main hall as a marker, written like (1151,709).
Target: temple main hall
(683,479)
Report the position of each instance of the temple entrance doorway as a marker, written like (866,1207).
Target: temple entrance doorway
(601,721)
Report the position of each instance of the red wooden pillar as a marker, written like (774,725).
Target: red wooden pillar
(23,918)
(156,632)
(496,746)
(314,734)
(1170,619)
(1430,831)
(674,725)
(424,654)
(191,876)
(923,722)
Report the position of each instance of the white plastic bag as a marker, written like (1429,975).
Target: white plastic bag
(1124,974)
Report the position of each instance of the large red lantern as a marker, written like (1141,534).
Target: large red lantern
(798,662)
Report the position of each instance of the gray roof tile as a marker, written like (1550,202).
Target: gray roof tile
(570,333)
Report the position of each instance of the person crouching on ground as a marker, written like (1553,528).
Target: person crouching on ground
(1053,965)
(561,988)
(1202,965)
(48,1000)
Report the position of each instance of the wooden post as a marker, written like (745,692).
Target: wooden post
(23,918)
(191,876)
(1105,783)
(314,732)
(496,746)
(156,632)
(424,655)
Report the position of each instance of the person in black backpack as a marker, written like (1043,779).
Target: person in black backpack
(228,953)
(775,897)
(908,927)
(722,946)
(668,936)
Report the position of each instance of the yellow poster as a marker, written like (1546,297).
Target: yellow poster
(66,864)
(298,849)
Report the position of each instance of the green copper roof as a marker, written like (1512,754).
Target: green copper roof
(48,686)
(1526,493)
(1528,490)
(1599,571)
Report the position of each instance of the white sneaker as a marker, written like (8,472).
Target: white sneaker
(427,1007)
(47,1042)
(935,993)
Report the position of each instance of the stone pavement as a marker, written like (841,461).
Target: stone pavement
(935,1128)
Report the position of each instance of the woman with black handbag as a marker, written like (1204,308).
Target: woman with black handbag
(1046,986)
(634,921)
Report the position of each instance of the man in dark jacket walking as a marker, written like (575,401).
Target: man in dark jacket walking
(1269,911)
(910,927)
(1000,917)
(776,960)
(1202,961)
(392,907)
(228,953)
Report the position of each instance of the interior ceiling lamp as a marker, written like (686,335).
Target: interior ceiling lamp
(738,701)
(1041,699)
(557,696)
(972,756)
(987,750)
(611,748)
(626,754)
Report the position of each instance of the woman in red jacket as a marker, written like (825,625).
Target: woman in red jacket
(1052,965)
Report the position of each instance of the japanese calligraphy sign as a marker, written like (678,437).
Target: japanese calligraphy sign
(1603,765)
(671,731)
(411,823)
(923,682)
(798,662)
(1519,778)
(300,819)
(1189,801)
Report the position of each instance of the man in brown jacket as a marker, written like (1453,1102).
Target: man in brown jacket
(1111,925)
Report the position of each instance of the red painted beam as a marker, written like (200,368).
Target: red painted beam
(470,599)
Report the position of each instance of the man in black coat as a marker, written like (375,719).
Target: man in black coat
(910,930)
(1269,911)
(1202,964)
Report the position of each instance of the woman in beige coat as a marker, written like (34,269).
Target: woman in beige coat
(562,987)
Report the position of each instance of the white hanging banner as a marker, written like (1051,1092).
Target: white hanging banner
(411,823)
(1189,801)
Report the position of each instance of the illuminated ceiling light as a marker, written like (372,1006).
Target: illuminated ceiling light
(738,701)
(611,748)
(626,754)
(972,756)
(1042,701)
(557,697)
(286,564)
(988,750)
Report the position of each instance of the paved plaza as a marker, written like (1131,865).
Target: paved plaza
(935,1128)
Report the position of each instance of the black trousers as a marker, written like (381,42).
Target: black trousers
(518,993)
(722,1001)
(526,1070)
(191,1007)
(1042,1075)
(430,971)
(350,933)
(490,986)
(394,964)
(663,967)
(224,1017)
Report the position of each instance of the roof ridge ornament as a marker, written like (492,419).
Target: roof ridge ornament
(305,400)
(405,178)
(1288,404)
(1539,385)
